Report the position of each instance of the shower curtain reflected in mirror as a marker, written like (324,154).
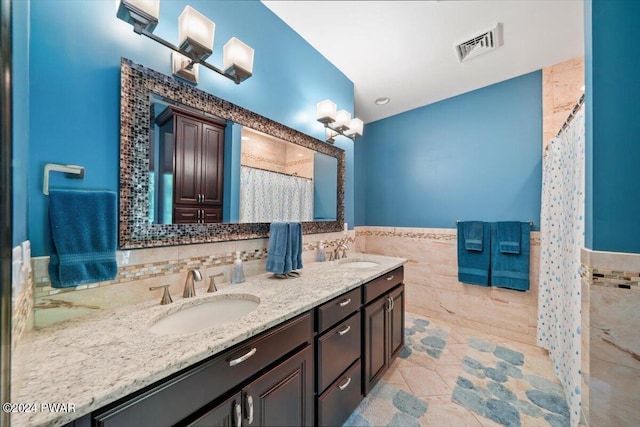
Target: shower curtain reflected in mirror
(270,196)
(562,238)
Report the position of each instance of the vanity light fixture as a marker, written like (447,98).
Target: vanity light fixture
(195,34)
(337,122)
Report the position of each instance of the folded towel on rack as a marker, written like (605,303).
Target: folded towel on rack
(473,235)
(473,265)
(511,270)
(508,234)
(83,231)
(279,249)
(295,234)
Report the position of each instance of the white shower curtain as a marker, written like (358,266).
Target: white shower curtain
(562,237)
(270,196)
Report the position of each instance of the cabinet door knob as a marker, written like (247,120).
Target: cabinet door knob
(344,302)
(388,304)
(346,384)
(393,303)
(238,411)
(250,408)
(242,358)
(345,330)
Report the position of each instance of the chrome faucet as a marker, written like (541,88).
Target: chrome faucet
(193,275)
(336,252)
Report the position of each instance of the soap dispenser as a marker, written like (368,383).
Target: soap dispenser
(321,254)
(237,274)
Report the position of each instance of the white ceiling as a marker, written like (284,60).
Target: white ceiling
(405,49)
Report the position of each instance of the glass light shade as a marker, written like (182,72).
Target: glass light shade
(343,119)
(237,59)
(195,33)
(180,63)
(326,111)
(143,13)
(330,135)
(355,127)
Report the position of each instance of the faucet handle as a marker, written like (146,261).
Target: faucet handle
(212,283)
(166,297)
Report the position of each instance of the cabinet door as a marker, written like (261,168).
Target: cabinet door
(212,164)
(284,395)
(226,414)
(211,215)
(187,160)
(376,347)
(396,322)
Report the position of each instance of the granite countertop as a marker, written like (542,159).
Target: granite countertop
(92,361)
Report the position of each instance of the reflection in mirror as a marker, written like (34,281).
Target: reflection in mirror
(185,208)
(195,175)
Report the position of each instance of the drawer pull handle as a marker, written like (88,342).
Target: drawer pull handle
(345,330)
(238,411)
(250,405)
(346,384)
(344,302)
(244,357)
(390,277)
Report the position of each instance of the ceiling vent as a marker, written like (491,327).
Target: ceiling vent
(482,43)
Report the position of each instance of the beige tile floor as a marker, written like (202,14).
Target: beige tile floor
(435,380)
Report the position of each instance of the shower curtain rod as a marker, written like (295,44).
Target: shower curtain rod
(574,111)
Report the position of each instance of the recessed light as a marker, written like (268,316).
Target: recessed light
(382,101)
(245,138)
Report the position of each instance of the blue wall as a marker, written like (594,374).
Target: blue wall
(613,128)
(20,122)
(75,85)
(474,156)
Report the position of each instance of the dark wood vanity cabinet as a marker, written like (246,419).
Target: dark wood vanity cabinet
(383,321)
(275,367)
(198,165)
(283,396)
(311,370)
(338,353)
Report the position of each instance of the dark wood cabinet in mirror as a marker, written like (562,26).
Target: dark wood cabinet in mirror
(142,164)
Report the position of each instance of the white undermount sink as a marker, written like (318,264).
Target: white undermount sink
(208,314)
(359,264)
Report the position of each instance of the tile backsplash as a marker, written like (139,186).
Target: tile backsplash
(141,268)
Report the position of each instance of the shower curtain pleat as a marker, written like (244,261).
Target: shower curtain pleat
(561,239)
(270,196)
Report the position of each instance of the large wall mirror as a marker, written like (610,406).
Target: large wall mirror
(195,168)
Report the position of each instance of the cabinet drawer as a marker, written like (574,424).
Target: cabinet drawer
(333,311)
(338,348)
(170,401)
(382,284)
(341,398)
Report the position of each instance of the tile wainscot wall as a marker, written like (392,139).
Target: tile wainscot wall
(611,338)
(432,287)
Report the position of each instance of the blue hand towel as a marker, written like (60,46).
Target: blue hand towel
(508,234)
(473,265)
(279,246)
(295,234)
(83,231)
(473,235)
(511,270)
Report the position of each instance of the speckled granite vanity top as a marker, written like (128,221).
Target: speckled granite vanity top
(92,361)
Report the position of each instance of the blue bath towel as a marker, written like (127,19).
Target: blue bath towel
(508,234)
(295,234)
(84,238)
(473,265)
(279,248)
(473,235)
(511,270)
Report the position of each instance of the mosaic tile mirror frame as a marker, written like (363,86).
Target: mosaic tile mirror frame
(137,83)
